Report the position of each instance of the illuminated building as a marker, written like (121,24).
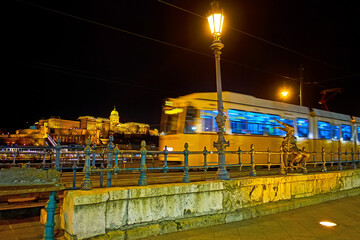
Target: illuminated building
(57,122)
(96,129)
(114,119)
(92,124)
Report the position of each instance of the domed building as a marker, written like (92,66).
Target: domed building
(114,119)
(126,128)
(97,129)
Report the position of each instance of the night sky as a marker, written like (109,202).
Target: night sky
(76,58)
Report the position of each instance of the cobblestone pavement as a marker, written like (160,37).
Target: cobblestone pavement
(298,224)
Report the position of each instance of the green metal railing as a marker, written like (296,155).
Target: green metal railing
(113,167)
(111,161)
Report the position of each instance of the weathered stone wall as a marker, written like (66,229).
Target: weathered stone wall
(134,212)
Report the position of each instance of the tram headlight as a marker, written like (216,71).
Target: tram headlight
(170,149)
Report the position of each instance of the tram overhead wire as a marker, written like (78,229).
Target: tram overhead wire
(256,37)
(155,40)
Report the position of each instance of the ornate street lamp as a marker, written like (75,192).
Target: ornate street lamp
(216,20)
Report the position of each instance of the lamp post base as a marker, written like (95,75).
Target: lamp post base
(222,173)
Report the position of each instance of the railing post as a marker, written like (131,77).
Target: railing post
(252,161)
(314,157)
(165,167)
(304,170)
(331,158)
(239,158)
(116,166)
(14,157)
(78,159)
(57,159)
(93,156)
(339,160)
(143,179)
(101,175)
(205,153)
(186,178)
(50,221)
(109,160)
(87,185)
(116,152)
(282,161)
(353,159)
(323,167)
(346,159)
(44,159)
(74,175)
(268,158)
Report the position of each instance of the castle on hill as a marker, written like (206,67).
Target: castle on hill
(97,129)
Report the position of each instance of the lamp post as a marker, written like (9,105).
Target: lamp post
(216,19)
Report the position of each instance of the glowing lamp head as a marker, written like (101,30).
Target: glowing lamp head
(215,19)
(284,93)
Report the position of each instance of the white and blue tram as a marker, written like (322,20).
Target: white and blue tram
(250,120)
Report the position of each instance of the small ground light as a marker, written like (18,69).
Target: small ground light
(328,224)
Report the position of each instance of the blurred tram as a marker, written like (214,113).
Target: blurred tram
(250,120)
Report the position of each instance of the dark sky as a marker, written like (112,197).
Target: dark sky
(75,58)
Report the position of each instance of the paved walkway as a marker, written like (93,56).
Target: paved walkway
(299,224)
(28,228)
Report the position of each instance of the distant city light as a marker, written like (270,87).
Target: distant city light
(328,224)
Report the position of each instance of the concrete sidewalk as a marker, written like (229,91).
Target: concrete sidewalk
(26,228)
(23,228)
(299,224)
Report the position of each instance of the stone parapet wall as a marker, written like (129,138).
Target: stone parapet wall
(135,212)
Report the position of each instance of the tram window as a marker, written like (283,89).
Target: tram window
(169,123)
(324,129)
(238,121)
(271,124)
(190,120)
(335,132)
(255,123)
(346,132)
(302,127)
(208,120)
(287,121)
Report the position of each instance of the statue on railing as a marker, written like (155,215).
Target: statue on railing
(294,157)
